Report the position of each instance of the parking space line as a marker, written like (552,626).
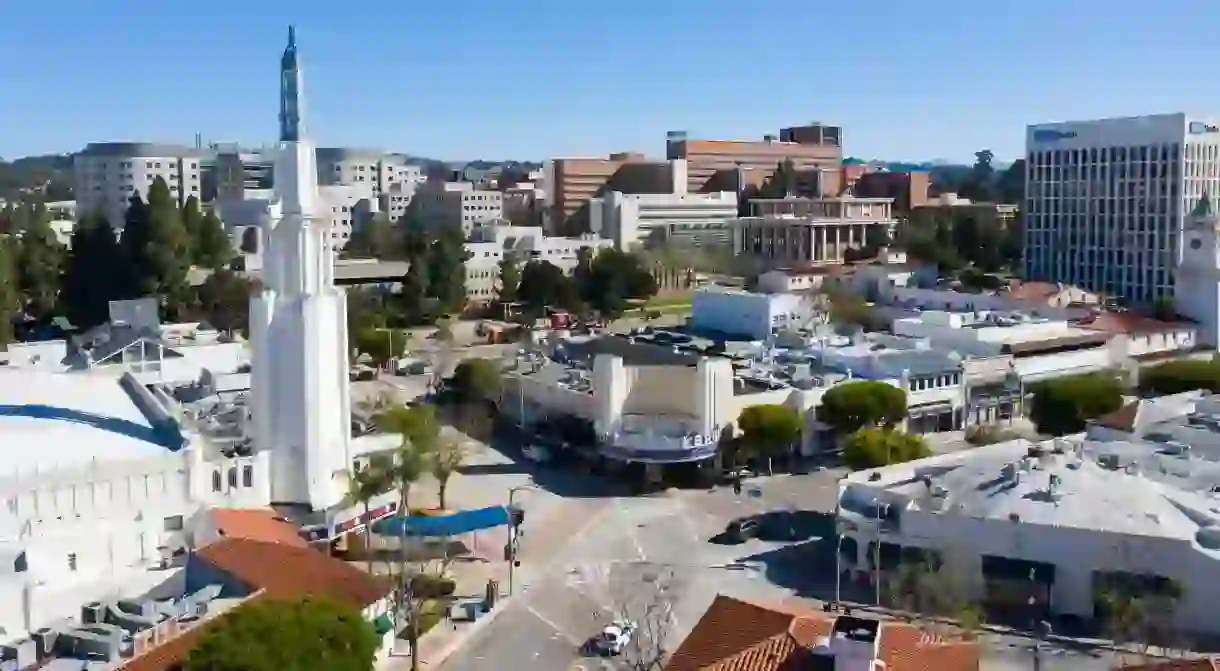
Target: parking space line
(547,621)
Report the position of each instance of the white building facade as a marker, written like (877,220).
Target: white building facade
(491,244)
(747,314)
(108,174)
(1106,201)
(693,219)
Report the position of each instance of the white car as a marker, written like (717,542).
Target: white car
(615,637)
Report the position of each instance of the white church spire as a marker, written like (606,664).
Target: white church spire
(301,404)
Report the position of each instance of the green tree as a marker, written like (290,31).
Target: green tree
(380,344)
(544,284)
(374,239)
(849,406)
(364,484)
(872,447)
(192,226)
(10,300)
(614,278)
(447,272)
(446,460)
(847,308)
(90,279)
(769,430)
(475,380)
(1175,377)
(40,260)
(980,185)
(413,297)
(298,635)
(1065,405)
(224,298)
(155,248)
(510,279)
(213,248)
(1164,309)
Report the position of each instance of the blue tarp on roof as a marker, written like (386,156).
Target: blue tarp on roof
(444,525)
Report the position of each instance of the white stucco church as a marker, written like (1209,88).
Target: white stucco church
(108,463)
(1197,289)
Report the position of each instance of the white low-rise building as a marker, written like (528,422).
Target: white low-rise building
(1050,528)
(489,245)
(636,219)
(746,314)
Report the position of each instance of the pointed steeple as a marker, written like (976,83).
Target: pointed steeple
(291,122)
(1203,208)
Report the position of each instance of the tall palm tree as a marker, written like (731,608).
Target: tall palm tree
(363,485)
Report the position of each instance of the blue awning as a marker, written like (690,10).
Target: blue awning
(442,525)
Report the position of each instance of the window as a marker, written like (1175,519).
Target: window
(173,523)
(72,561)
(233,476)
(247,476)
(216,482)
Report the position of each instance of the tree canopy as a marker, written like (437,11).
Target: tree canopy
(873,447)
(475,380)
(9,299)
(1064,405)
(1174,377)
(849,406)
(298,635)
(769,430)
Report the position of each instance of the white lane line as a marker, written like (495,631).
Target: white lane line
(631,534)
(548,622)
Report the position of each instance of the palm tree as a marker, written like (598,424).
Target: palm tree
(446,461)
(363,485)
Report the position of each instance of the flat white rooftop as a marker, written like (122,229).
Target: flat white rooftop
(53,420)
(1137,488)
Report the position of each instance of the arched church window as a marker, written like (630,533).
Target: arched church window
(247,476)
(249,240)
(216,482)
(233,477)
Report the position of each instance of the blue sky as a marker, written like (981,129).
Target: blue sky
(528,79)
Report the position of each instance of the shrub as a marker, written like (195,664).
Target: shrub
(873,447)
(1173,377)
(429,586)
(1065,405)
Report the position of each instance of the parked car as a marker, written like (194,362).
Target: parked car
(742,530)
(614,638)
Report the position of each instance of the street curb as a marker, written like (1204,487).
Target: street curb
(463,635)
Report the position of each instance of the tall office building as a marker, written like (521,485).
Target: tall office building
(1106,200)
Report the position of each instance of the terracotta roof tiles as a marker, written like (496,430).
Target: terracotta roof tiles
(271,570)
(736,635)
(257,524)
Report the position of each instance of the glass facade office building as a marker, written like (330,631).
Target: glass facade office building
(1106,200)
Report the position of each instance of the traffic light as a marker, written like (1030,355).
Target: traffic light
(516,516)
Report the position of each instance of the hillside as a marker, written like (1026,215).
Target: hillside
(50,175)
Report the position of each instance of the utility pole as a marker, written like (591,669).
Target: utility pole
(510,551)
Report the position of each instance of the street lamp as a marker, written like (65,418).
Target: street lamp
(511,550)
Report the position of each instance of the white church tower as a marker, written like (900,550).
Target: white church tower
(1197,287)
(298,326)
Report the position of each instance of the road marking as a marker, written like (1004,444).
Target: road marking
(547,621)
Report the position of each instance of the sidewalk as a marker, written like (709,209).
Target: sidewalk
(448,635)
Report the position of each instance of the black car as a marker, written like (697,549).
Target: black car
(744,529)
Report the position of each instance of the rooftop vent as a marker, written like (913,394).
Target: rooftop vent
(1108,461)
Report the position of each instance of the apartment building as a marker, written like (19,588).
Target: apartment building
(1106,200)
(785,232)
(570,184)
(457,205)
(108,174)
(909,190)
(489,245)
(228,170)
(391,180)
(816,152)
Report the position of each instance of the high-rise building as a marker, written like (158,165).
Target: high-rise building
(1106,200)
(390,179)
(301,399)
(108,174)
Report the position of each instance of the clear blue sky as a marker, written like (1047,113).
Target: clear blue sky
(526,79)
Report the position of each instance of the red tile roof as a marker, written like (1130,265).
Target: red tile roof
(275,571)
(256,524)
(736,635)
(1125,322)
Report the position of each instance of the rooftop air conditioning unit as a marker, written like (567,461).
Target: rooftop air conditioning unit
(93,612)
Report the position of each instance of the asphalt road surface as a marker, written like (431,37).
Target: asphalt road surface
(646,559)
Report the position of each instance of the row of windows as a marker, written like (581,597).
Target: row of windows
(925,383)
(247,478)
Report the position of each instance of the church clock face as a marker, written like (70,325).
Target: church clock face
(1196,243)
